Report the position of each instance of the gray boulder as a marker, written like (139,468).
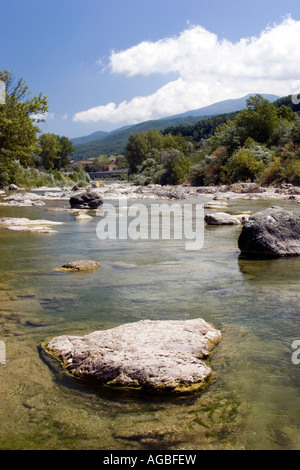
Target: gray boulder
(246,188)
(221,218)
(160,356)
(86,200)
(273,232)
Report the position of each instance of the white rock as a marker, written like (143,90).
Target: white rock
(148,355)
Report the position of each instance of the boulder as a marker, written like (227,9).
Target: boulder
(86,200)
(159,356)
(81,265)
(82,215)
(273,232)
(216,205)
(20,224)
(22,200)
(13,187)
(221,218)
(246,188)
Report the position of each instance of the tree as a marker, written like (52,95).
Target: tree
(66,149)
(242,166)
(136,150)
(227,135)
(121,162)
(180,170)
(54,151)
(258,120)
(100,163)
(49,149)
(18,117)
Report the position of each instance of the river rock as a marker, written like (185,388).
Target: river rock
(86,200)
(164,356)
(19,224)
(273,232)
(216,205)
(82,215)
(81,265)
(246,188)
(23,200)
(221,218)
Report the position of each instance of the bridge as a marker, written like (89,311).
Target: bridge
(107,174)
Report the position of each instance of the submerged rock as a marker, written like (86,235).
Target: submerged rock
(216,205)
(82,215)
(146,355)
(81,265)
(273,232)
(86,200)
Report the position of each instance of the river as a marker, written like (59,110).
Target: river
(252,401)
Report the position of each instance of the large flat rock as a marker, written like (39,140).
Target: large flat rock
(20,224)
(147,355)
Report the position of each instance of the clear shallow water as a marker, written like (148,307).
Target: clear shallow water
(252,401)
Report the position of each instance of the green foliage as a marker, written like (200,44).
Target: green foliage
(195,176)
(203,129)
(258,120)
(100,163)
(80,176)
(54,151)
(20,147)
(260,144)
(213,169)
(151,144)
(18,132)
(227,135)
(32,177)
(147,172)
(243,165)
(181,169)
(121,162)
(273,173)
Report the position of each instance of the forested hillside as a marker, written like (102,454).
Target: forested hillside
(260,143)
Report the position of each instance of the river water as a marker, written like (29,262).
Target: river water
(252,401)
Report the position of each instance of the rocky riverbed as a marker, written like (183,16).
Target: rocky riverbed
(114,191)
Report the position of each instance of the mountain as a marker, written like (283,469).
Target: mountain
(226,106)
(114,142)
(88,138)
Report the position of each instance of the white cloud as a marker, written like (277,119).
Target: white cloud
(208,69)
(42,116)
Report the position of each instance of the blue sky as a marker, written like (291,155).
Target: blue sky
(105,64)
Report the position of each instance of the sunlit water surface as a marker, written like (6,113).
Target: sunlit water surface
(252,401)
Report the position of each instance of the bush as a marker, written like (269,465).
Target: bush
(196,175)
(34,178)
(242,166)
